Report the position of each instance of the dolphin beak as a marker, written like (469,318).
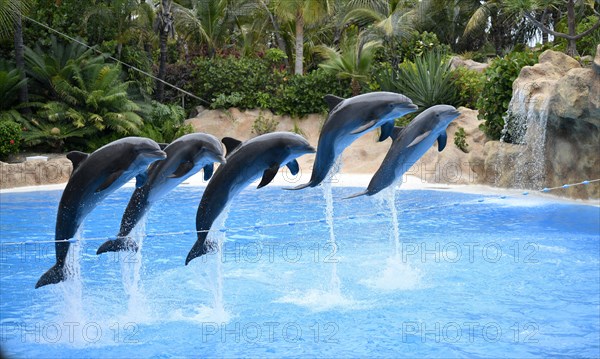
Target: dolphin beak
(159,155)
(310,149)
(410,107)
(221,159)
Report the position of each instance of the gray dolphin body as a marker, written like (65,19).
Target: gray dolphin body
(94,177)
(186,156)
(351,118)
(410,144)
(246,162)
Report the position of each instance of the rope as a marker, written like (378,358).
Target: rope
(289,224)
(116,60)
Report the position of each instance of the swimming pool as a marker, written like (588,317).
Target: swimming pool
(474,276)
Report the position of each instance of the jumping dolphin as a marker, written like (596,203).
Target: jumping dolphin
(410,143)
(351,118)
(94,177)
(186,156)
(246,162)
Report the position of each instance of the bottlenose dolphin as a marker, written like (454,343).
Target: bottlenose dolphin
(246,162)
(94,177)
(410,143)
(186,156)
(351,118)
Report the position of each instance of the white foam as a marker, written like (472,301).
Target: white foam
(397,275)
(319,300)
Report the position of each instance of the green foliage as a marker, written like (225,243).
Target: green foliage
(252,83)
(587,44)
(264,125)
(302,95)
(460,137)
(84,97)
(10,138)
(414,46)
(469,84)
(10,84)
(497,90)
(164,123)
(275,56)
(427,81)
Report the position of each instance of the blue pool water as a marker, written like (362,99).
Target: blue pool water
(474,276)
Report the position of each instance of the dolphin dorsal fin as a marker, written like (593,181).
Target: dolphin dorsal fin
(76,158)
(230,144)
(396,132)
(332,101)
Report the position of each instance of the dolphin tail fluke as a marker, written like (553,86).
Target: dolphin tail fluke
(302,186)
(54,275)
(120,244)
(358,194)
(200,248)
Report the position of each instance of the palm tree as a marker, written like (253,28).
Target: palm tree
(11,23)
(11,82)
(302,12)
(164,25)
(129,19)
(528,9)
(352,61)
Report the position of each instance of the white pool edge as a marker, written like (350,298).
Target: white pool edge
(360,180)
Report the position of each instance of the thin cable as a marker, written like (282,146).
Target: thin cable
(116,60)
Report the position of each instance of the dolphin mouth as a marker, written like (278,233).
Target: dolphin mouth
(159,155)
(311,149)
(410,106)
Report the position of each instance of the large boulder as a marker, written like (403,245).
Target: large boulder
(35,173)
(458,61)
(561,101)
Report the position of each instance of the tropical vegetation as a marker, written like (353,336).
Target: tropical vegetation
(77,74)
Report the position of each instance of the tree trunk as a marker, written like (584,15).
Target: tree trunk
(495,32)
(280,43)
(544,21)
(20,61)
(298,69)
(572,43)
(162,65)
(355,85)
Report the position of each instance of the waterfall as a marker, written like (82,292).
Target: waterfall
(525,124)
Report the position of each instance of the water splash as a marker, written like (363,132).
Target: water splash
(131,266)
(525,124)
(398,274)
(210,273)
(334,283)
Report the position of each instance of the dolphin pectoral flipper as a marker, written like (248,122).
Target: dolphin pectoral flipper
(386,131)
(419,138)
(141,179)
(268,175)
(208,171)
(364,127)
(293,167)
(332,101)
(76,158)
(442,141)
(183,169)
(110,180)
(54,275)
(230,144)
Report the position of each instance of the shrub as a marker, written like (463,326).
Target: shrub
(302,95)
(497,90)
(469,84)
(10,138)
(164,123)
(264,125)
(460,137)
(427,82)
